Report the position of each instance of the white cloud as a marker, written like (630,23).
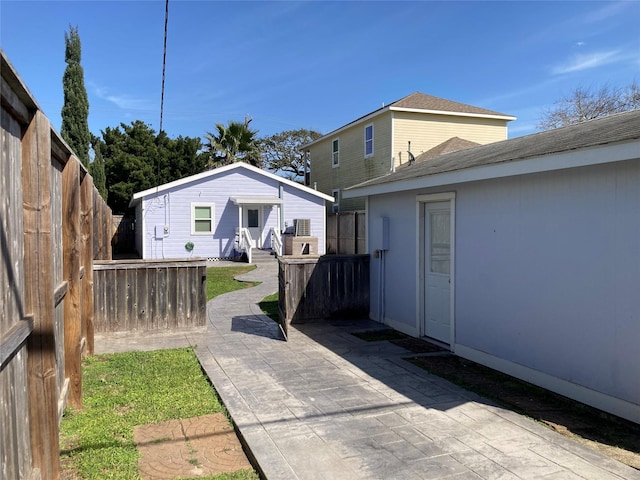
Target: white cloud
(606,12)
(586,61)
(124,101)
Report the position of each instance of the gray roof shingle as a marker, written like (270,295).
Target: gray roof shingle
(422,101)
(452,145)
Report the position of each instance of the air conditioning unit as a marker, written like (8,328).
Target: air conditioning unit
(302,227)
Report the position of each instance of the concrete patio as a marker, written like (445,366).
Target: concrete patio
(327,405)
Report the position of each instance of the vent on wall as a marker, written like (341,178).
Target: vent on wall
(302,227)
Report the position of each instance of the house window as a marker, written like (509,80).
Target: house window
(202,216)
(368,140)
(335,208)
(335,153)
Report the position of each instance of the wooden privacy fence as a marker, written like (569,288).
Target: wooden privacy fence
(331,286)
(346,233)
(149,295)
(52,226)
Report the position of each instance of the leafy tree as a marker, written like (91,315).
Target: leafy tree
(586,104)
(75,111)
(281,154)
(235,142)
(136,158)
(97,168)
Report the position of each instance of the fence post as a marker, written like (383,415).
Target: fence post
(38,262)
(72,251)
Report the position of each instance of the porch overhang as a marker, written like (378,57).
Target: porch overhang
(256,200)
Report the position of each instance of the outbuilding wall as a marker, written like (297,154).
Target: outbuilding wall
(546,281)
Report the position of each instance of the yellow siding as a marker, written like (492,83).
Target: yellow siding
(354,167)
(425,131)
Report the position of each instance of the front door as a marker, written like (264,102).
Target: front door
(252,219)
(437,255)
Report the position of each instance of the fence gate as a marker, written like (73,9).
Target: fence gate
(124,234)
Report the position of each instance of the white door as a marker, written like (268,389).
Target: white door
(252,219)
(437,295)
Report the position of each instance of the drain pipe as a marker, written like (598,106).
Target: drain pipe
(281,208)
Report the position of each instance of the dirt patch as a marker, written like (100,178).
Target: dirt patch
(189,448)
(610,435)
(415,345)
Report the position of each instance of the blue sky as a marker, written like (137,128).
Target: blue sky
(317,64)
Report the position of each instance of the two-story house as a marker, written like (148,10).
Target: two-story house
(375,144)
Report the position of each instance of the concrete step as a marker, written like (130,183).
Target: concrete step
(261,256)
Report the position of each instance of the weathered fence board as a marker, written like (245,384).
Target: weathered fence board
(86,232)
(148,295)
(41,332)
(332,286)
(346,233)
(38,242)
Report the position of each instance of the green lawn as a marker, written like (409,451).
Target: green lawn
(123,390)
(220,280)
(269,305)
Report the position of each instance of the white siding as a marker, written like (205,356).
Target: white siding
(299,204)
(172,207)
(546,279)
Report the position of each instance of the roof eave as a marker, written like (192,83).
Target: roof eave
(507,118)
(335,132)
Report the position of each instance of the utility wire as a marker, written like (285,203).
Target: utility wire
(164,61)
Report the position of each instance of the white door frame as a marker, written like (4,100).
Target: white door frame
(244,216)
(421,201)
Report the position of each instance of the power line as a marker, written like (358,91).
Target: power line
(164,60)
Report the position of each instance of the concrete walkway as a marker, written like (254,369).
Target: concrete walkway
(327,405)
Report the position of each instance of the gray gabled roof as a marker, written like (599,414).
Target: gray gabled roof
(137,197)
(454,144)
(422,103)
(612,129)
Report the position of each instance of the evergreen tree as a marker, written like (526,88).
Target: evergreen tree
(97,168)
(75,111)
(136,158)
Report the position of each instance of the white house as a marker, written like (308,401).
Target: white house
(523,255)
(223,212)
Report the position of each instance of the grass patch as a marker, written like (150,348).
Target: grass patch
(380,335)
(269,305)
(221,280)
(121,391)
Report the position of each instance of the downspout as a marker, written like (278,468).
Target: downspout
(281,209)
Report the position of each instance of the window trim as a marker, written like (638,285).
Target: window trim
(366,127)
(212,218)
(335,154)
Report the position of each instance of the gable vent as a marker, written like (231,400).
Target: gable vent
(302,227)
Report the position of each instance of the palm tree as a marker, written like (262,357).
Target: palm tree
(233,143)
